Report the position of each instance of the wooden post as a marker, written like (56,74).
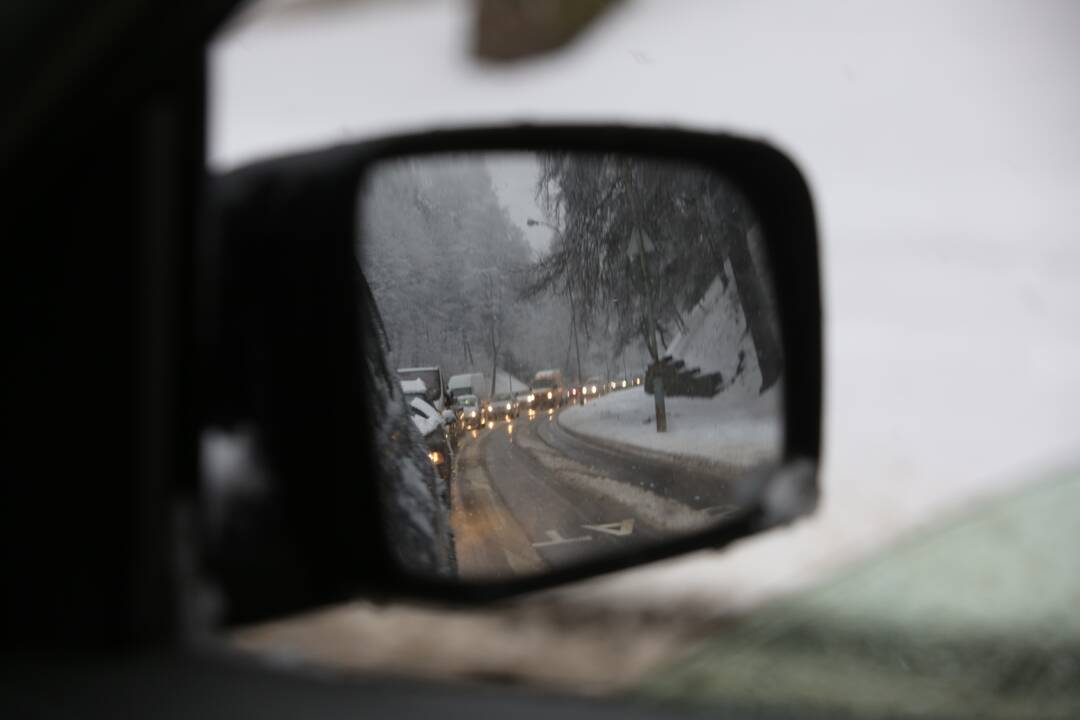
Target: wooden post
(661,409)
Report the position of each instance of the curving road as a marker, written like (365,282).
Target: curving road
(527,496)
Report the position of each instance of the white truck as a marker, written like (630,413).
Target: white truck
(433,384)
(469,384)
(548,390)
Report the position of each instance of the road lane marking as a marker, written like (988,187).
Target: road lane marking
(520,564)
(558,539)
(618,529)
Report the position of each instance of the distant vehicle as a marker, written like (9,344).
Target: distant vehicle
(472,414)
(548,390)
(468,384)
(433,428)
(503,405)
(432,378)
(594,387)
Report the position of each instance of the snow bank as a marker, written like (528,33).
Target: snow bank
(730,429)
(716,335)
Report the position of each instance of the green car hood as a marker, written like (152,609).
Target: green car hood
(977,617)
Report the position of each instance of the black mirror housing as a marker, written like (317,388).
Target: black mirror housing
(288,351)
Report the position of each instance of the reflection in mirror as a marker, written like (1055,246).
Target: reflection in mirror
(587,346)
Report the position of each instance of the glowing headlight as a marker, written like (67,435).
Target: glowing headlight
(624,383)
(472,413)
(508,406)
(491,408)
(593,389)
(436,457)
(549,396)
(531,398)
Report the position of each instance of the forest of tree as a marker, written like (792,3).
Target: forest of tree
(445,262)
(638,244)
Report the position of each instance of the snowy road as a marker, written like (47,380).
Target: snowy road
(529,496)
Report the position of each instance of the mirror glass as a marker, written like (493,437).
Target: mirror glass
(587,347)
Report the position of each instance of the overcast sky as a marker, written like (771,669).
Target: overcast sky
(514,177)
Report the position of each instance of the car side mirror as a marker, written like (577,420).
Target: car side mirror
(648,299)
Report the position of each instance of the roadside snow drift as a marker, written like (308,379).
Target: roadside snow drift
(734,429)
(716,337)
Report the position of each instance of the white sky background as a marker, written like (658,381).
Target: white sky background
(514,176)
(942,144)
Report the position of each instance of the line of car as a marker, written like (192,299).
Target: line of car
(596,386)
(442,414)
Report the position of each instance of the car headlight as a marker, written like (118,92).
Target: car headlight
(491,408)
(531,398)
(436,457)
(472,413)
(507,406)
(549,396)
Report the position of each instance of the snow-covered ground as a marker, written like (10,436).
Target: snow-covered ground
(735,429)
(941,144)
(715,337)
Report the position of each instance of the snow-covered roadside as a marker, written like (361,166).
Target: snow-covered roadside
(732,429)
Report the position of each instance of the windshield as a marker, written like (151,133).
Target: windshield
(946,172)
